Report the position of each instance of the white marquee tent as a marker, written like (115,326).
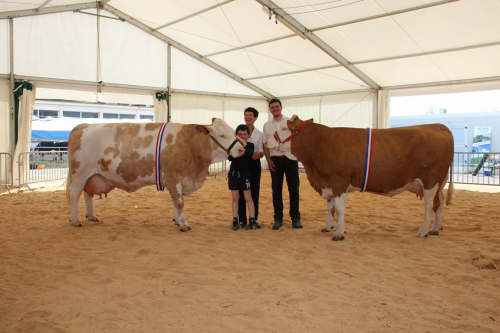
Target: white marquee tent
(336,61)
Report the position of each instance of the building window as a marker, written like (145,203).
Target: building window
(45,113)
(110,115)
(127,116)
(147,117)
(90,115)
(71,114)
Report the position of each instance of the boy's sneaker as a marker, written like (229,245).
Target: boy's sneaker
(252,226)
(235,224)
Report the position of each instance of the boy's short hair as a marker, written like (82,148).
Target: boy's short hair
(242,127)
(275,100)
(253,110)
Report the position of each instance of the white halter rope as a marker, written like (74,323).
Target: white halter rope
(368,162)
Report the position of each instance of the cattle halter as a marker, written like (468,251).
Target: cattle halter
(226,150)
(368,162)
(277,138)
(159,186)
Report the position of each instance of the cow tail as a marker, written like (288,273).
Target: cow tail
(451,188)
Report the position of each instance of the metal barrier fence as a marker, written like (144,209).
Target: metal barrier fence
(37,166)
(476,168)
(5,171)
(468,168)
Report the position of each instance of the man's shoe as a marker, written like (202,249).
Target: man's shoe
(242,225)
(297,225)
(277,224)
(252,226)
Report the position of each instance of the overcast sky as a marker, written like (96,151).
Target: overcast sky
(479,101)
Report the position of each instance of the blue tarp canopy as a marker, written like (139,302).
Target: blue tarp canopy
(58,129)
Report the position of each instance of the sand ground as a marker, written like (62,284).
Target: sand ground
(135,272)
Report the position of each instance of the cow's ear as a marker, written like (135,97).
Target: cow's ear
(309,120)
(202,130)
(291,125)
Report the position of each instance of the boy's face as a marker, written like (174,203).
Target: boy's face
(242,135)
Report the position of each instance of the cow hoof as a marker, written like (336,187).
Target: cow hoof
(434,233)
(185,229)
(326,230)
(78,224)
(94,220)
(338,238)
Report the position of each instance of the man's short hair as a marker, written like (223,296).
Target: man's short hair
(275,100)
(242,127)
(253,110)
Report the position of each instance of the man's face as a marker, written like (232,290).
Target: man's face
(249,118)
(242,135)
(275,109)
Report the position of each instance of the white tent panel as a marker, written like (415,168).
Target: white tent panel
(4,47)
(68,94)
(158,12)
(226,27)
(404,71)
(314,82)
(318,16)
(304,107)
(62,46)
(370,40)
(331,12)
(190,108)
(134,99)
(5,94)
(339,110)
(465,64)
(131,56)
(234,111)
(191,74)
(347,110)
(458,24)
(290,54)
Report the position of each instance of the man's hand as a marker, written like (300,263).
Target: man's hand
(271,165)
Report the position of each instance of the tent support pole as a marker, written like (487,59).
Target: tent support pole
(169,81)
(11,93)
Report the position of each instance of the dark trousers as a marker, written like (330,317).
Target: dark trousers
(284,166)
(255,171)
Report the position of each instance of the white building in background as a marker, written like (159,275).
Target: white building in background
(54,109)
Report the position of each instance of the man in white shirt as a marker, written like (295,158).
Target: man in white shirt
(251,115)
(281,166)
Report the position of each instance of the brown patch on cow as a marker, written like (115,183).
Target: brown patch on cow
(74,145)
(127,141)
(104,164)
(152,126)
(115,150)
(170,139)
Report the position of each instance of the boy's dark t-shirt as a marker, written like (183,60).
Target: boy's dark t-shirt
(241,163)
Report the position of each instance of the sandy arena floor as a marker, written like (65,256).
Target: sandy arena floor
(135,272)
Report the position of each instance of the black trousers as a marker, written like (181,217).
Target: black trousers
(255,171)
(284,166)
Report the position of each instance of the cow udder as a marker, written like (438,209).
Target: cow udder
(97,184)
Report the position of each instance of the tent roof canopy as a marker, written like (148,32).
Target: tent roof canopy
(304,47)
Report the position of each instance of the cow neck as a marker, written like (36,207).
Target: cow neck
(159,139)
(228,150)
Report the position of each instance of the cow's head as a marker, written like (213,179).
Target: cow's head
(223,136)
(283,136)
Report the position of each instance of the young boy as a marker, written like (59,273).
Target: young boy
(239,179)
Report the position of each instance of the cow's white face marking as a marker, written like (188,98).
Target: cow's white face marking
(283,134)
(225,136)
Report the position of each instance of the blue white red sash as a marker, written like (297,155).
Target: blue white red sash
(368,162)
(159,186)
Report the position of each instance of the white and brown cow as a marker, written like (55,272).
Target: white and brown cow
(415,159)
(107,156)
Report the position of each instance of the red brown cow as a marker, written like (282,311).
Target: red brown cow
(130,156)
(382,161)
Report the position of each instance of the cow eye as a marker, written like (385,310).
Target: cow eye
(223,136)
